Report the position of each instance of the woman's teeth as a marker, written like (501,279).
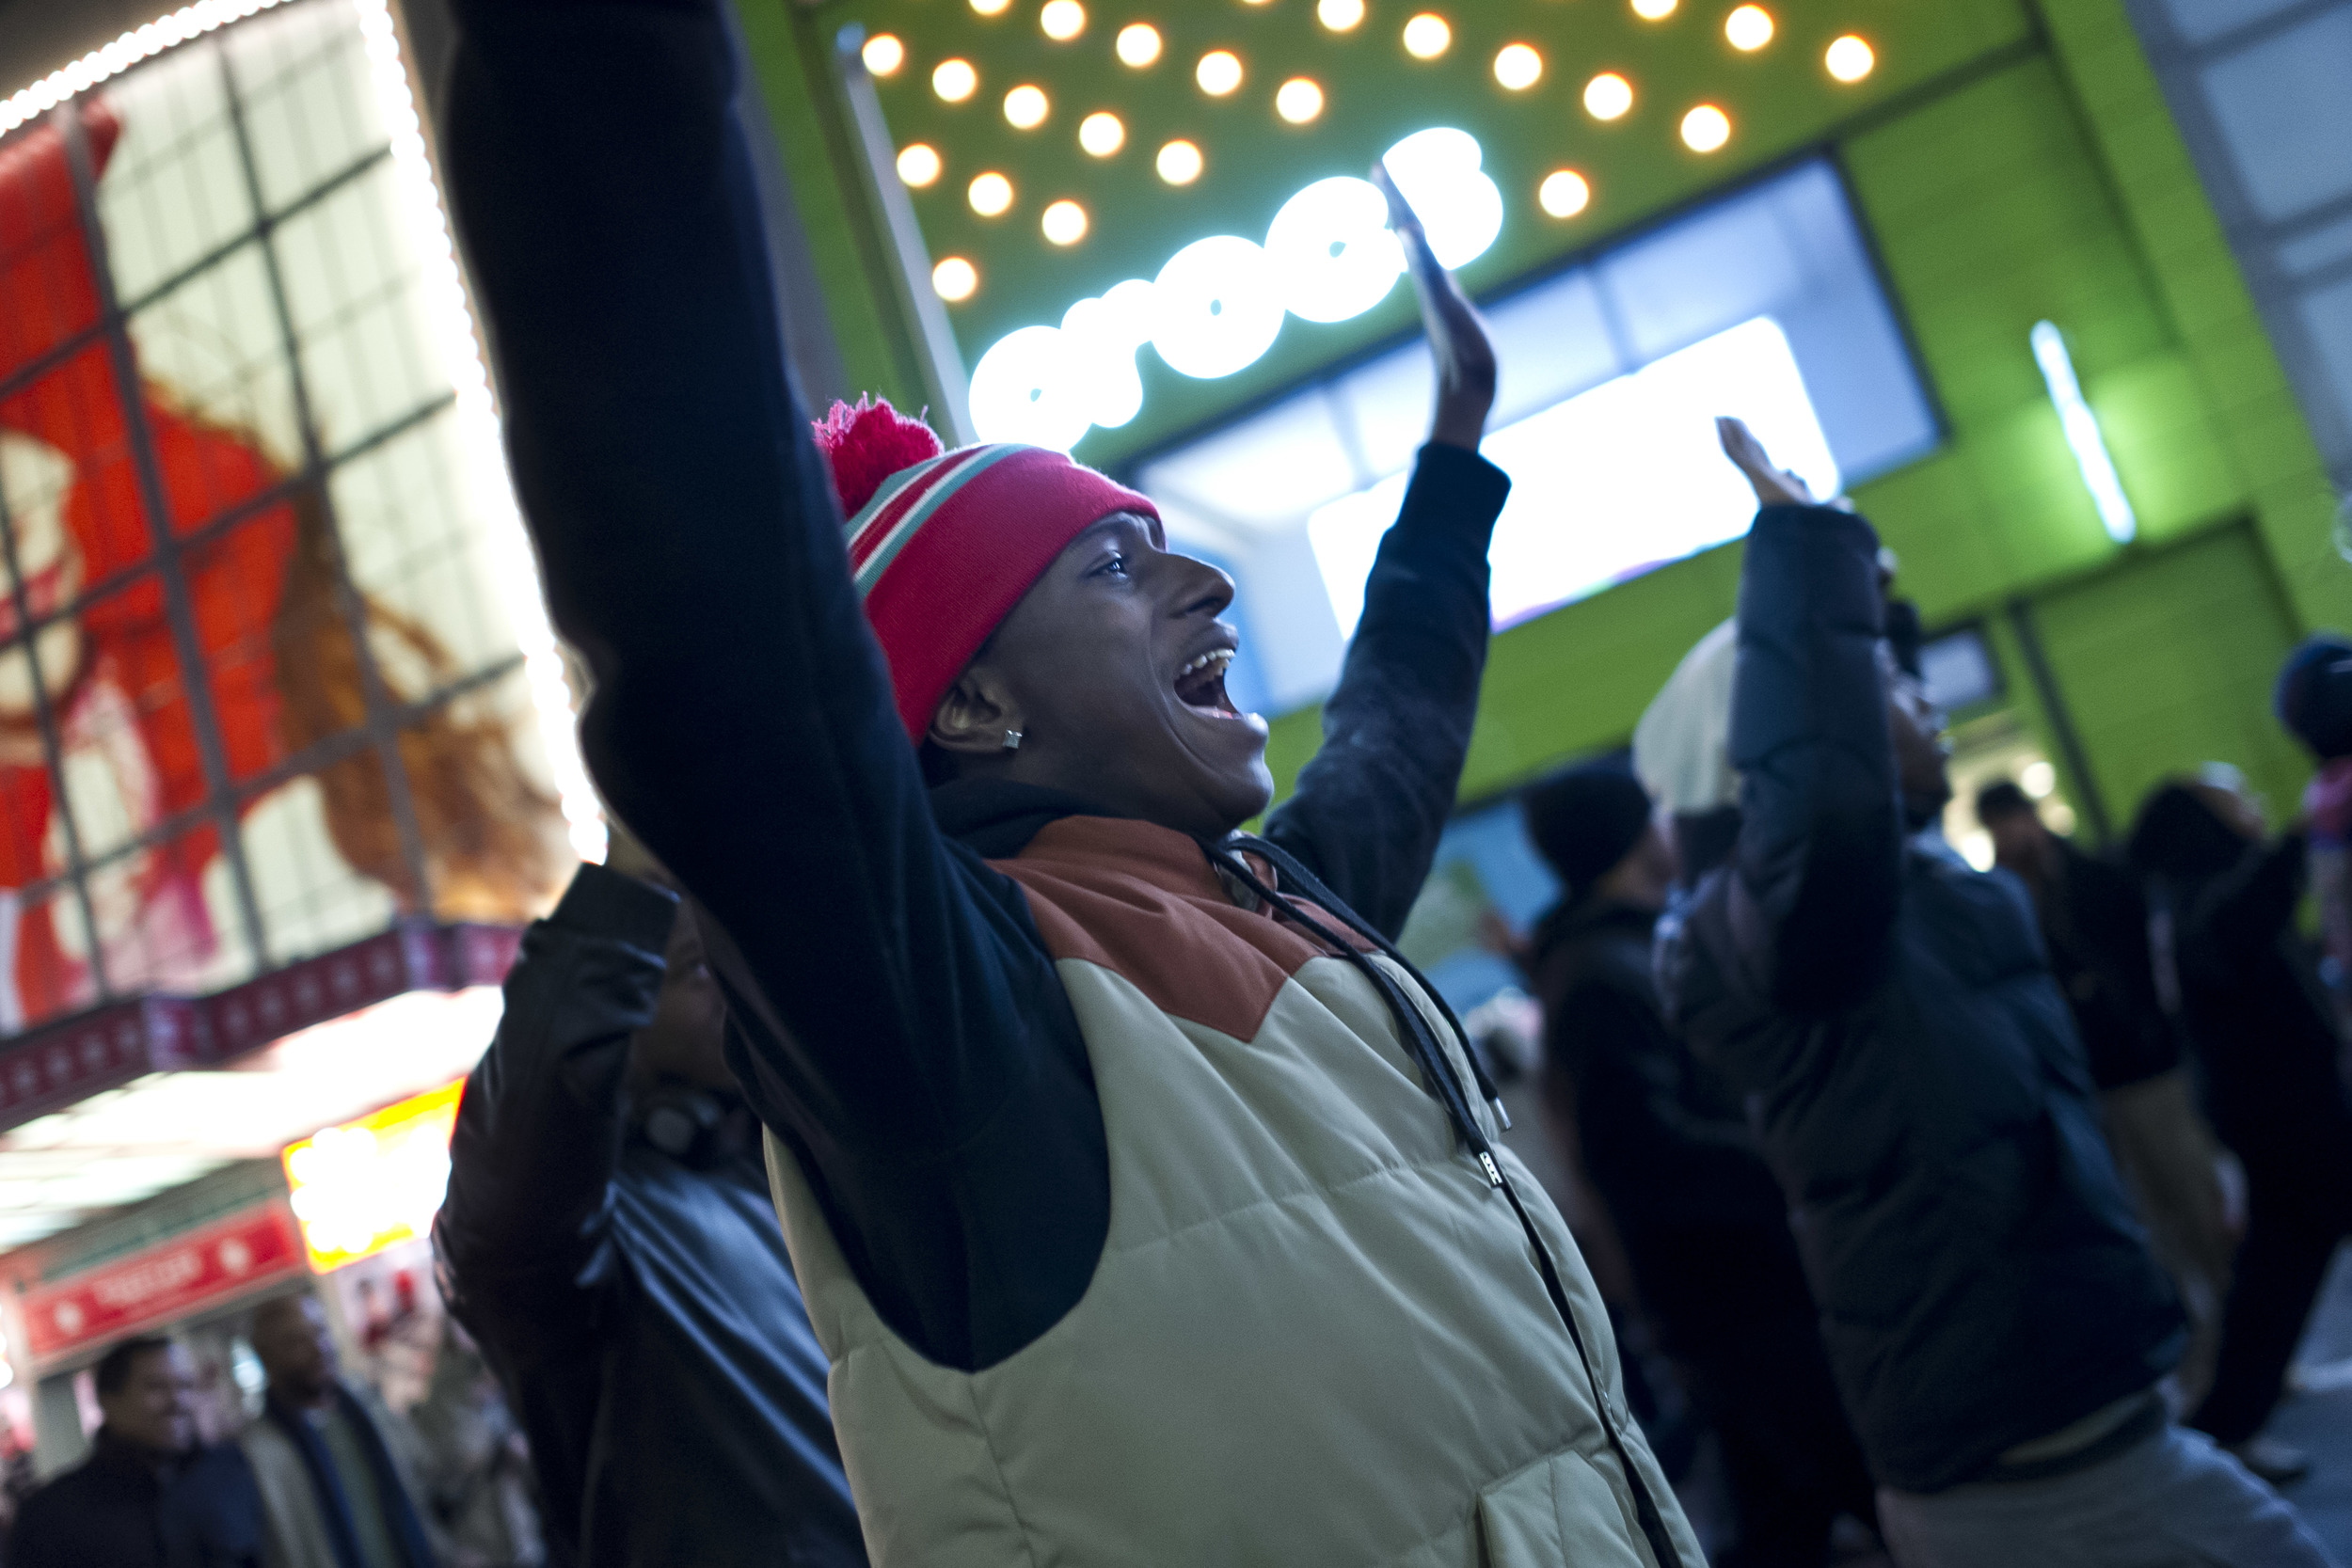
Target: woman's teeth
(1220,658)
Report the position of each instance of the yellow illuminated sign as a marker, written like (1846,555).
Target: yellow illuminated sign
(370,1183)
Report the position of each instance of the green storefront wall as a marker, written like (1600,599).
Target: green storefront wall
(2043,179)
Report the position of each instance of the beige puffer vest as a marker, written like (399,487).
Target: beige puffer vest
(1316,1335)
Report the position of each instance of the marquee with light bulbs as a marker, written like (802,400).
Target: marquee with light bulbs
(1141,216)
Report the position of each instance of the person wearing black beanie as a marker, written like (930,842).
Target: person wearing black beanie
(1667,1146)
(2313,700)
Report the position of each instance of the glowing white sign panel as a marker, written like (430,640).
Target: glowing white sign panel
(1613,481)
(1219,303)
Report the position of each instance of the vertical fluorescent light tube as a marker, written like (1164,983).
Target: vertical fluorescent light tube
(2082,433)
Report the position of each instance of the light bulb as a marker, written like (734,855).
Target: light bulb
(1299,100)
(955,80)
(1517,66)
(1748,28)
(918,163)
(1064,222)
(1062,20)
(1340,15)
(1426,36)
(1563,193)
(1706,128)
(883,54)
(1025,107)
(990,194)
(1850,59)
(1178,162)
(1220,72)
(1139,44)
(1101,133)
(1653,10)
(991,7)
(1608,96)
(955,279)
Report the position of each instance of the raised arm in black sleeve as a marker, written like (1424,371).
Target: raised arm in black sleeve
(894,1016)
(1814,883)
(524,1234)
(1370,806)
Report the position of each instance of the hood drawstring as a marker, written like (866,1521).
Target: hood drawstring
(1428,1053)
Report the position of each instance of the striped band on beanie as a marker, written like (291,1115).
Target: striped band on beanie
(943,548)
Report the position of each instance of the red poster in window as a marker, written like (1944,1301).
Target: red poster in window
(240,573)
(164,1282)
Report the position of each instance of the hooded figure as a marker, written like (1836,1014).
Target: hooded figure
(1143,1200)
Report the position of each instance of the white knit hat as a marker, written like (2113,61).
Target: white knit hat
(1682,746)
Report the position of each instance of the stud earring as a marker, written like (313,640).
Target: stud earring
(1013,740)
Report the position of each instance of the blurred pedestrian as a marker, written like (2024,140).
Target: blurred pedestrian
(1666,1143)
(150,1496)
(2313,700)
(609,1240)
(1988,1304)
(2094,931)
(2269,1054)
(483,1492)
(337,1471)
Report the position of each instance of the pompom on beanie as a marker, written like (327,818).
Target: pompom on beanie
(944,544)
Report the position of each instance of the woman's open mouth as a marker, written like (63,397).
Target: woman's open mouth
(1201,685)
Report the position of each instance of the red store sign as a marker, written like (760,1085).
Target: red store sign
(163,1282)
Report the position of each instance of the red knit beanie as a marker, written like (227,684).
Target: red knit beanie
(944,544)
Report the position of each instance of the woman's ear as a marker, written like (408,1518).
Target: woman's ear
(976,715)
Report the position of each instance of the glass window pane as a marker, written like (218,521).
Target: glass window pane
(486,802)
(125,730)
(309,108)
(215,389)
(43,968)
(415,540)
(65,456)
(278,662)
(167,917)
(352,287)
(2201,21)
(2286,115)
(173,189)
(300,843)
(48,289)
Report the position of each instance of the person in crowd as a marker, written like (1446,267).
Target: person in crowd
(2270,1055)
(484,1492)
(1995,1323)
(2094,932)
(1144,1200)
(2313,700)
(339,1472)
(1666,1143)
(151,1495)
(609,1240)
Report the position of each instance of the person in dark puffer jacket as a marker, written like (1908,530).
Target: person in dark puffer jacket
(1666,1143)
(1990,1310)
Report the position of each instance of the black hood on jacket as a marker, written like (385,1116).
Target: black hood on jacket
(996,818)
(2179,836)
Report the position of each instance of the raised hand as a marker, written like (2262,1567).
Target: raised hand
(1457,339)
(1773,486)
